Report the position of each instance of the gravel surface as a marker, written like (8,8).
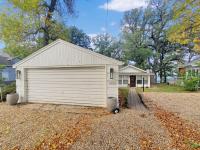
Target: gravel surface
(185,105)
(130,129)
(26,126)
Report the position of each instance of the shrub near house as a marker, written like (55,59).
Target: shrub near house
(7,89)
(191,80)
(123,96)
(192,84)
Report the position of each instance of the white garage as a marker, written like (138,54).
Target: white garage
(63,73)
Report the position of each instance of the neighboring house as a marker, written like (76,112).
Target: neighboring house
(133,77)
(7,74)
(193,66)
(63,73)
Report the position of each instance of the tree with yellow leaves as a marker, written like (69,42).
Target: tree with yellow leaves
(26,25)
(186,24)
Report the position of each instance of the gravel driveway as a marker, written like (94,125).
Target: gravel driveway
(34,126)
(186,105)
(26,126)
(130,129)
(43,126)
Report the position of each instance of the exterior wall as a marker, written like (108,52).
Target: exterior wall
(8,74)
(124,77)
(112,84)
(62,54)
(20,85)
(69,55)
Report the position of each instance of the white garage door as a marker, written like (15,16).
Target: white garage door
(75,86)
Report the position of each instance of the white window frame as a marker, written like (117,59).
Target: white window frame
(18,74)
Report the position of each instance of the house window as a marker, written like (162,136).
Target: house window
(145,79)
(120,79)
(111,73)
(125,81)
(139,79)
(18,74)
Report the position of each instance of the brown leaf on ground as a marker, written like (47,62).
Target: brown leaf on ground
(64,140)
(176,117)
(182,133)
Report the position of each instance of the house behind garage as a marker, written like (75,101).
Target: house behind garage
(63,73)
(131,76)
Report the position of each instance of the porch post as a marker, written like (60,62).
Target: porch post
(149,80)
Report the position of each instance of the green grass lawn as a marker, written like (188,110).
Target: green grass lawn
(163,88)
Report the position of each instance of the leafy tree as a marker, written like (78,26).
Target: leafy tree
(134,37)
(186,25)
(107,45)
(164,52)
(47,10)
(31,24)
(78,37)
(145,40)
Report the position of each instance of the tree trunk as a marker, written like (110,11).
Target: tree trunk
(165,76)
(161,66)
(161,76)
(155,77)
(51,9)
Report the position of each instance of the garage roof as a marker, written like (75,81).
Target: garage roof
(60,49)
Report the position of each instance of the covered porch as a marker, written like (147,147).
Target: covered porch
(134,80)
(131,76)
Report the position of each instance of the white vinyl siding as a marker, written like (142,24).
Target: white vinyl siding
(76,86)
(67,54)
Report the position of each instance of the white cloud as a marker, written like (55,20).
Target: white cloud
(103,29)
(92,35)
(124,5)
(113,23)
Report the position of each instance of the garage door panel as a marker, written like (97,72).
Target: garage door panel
(85,103)
(68,80)
(67,85)
(69,73)
(83,90)
(69,95)
(67,92)
(69,69)
(70,98)
(77,84)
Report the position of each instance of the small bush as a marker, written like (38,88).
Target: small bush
(7,89)
(123,96)
(191,84)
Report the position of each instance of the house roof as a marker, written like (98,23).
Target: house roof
(131,66)
(130,69)
(84,50)
(4,60)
